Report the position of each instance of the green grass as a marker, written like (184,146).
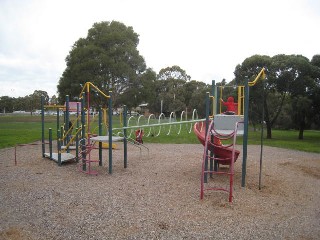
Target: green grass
(26,129)
(289,139)
(21,129)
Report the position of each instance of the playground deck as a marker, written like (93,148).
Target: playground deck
(65,157)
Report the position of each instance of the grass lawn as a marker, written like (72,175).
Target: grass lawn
(17,129)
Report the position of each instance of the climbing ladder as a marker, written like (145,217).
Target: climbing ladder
(84,156)
(220,154)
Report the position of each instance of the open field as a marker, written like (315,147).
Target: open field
(157,197)
(25,129)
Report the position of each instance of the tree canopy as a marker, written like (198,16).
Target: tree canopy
(291,77)
(107,57)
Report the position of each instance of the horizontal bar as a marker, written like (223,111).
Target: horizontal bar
(161,124)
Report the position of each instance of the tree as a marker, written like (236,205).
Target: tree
(247,71)
(6,104)
(299,84)
(315,90)
(174,72)
(34,100)
(107,57)
(197,93)
(169,90)
(139,90)
(287,75)
(53,100)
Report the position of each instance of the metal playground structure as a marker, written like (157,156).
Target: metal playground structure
(211,131)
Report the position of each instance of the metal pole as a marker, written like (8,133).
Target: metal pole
(50,142)
(125,155)
(83,134)
(64,128)
(213,95)
(42,126)
(58,122)
(15,155)
(261,146)
(212,164)
(59,148)
(88,114)
(67,122)
(77,145)
(214,112)
(207,126)
(218,104)
(160,124)
(110,131)
(77,134)
(62,131)
(100,133)
(245,132)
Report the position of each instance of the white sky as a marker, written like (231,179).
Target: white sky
(206,38)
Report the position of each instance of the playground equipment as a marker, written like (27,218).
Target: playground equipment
(219,153)
(84,139)
(222,127)
(139,135)
(219,126)
(153,126)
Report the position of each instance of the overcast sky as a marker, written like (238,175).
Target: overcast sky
(206,38)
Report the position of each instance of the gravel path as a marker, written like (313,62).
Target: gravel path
(157,197)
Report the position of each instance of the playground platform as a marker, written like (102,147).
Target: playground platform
(225,124)
(106,139)
(65,157)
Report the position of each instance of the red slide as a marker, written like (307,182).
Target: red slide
(223,154)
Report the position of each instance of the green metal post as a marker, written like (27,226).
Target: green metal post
(50,142)
(125,150)
(100,134)
(245,132)
(110,131)
(42,126)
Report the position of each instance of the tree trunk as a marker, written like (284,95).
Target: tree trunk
(267,120)
(269,133)
(300,133)
(301,129)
